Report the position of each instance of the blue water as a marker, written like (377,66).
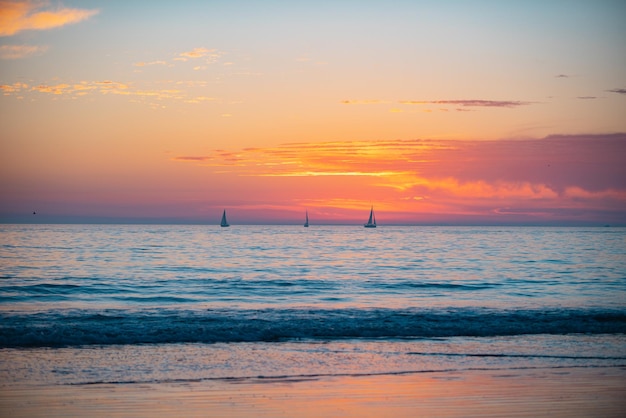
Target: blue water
(396,299)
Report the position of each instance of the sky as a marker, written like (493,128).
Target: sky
(446,112)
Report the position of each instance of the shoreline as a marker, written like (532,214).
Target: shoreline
(567,391)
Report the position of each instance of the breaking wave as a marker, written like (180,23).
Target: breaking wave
(110,327)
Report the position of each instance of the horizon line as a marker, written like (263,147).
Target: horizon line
(148,222)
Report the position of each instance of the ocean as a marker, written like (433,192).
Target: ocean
(118,304)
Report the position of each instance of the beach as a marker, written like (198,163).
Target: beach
(567,392)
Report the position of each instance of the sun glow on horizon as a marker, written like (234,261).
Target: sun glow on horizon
(271,107)
(425,177)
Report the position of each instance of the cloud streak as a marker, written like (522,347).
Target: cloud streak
(618,91)
(203,55)
(211,55)
(15,88)
(16,17)
(462,105)
(147,64)
(149,96)
(195,53)
(11,52)
(469,103)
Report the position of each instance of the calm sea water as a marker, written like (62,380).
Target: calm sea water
(121,303)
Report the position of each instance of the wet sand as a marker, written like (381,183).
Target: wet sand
(566,392)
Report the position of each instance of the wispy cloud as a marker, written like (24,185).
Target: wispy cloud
(209,54)
(36,15)
(619,91)
(56,89)
(469,103)
(20,51)
(195,53)
(77,89)
(464,105)
(191,158)
(150,96)
(17,87)
(359,102)
(108,85)
(204,56)
(147,64)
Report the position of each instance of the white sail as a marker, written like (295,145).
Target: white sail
(224,222)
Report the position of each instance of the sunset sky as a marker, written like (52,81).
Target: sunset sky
(434,112)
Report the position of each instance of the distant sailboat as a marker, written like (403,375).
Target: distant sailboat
(371,223)
(306,223)
(224,222)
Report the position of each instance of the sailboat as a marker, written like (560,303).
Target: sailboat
(306,223)
(371,222)
(224,222)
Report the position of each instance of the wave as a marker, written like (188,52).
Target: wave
(87,327)
(196,291)
(439,285)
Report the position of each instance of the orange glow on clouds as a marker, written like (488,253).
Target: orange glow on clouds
(428,180)
(19,16)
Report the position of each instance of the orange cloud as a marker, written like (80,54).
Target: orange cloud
(29,15)
(211,54)
(17,87)
(368,159)
(145,64)
(57,89)
(111,85)
(195,53)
